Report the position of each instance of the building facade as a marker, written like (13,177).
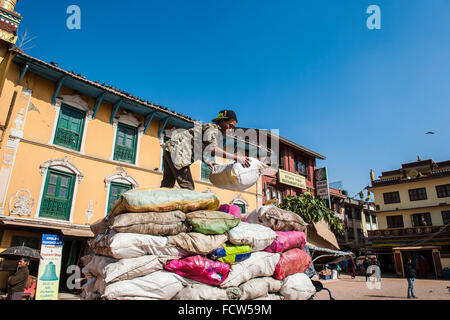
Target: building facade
(70,146)
(359,218)
(413,213)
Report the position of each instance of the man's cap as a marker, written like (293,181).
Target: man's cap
(225,115)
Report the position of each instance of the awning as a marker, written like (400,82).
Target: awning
(328,256)
(320,236)
(68,229)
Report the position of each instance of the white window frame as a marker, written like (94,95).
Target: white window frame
(63,165)
(128,119)
(118,177)
(76,102)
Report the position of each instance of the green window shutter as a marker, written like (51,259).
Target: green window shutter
(126,141)
(69,130)
(206,172)
(57,197)
(115,191)
(242,206)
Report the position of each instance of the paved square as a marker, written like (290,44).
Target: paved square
(391,289)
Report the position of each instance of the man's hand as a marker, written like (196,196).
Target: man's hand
(244,161)
(211,165)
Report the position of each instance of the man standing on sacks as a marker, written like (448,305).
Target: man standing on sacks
(198,143)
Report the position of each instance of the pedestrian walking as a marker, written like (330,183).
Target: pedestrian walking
(352,266)
(410,273)
(366,265)
(18,281)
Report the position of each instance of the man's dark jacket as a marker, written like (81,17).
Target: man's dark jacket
(410,272)
(18,281)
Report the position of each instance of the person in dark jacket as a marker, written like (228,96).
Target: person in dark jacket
(366,265)
(410,273)
(18,281)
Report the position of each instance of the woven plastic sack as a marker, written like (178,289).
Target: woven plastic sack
(286,241)
(160,285)
(259,287)
(164,200)
(260,264)
(153,223)
(200,269)
(258,237)
(234,210)
(231,254)
(277,219)
(206,292)
(211,222)
(235,177)
(131,245)
(297,287)
(292,262)
(127,269)
(197,243)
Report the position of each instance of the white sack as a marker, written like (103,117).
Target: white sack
(160,285)
(297,287)
(271,296)
(260,264)
(259,287)
(131,245)
(258,237)
(206,292)
(235,177)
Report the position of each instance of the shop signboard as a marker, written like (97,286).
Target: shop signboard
(49,267)
(292,179)
(322,186)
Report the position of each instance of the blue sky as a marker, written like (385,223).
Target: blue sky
(363,98)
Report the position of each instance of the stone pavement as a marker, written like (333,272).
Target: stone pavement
(347,288)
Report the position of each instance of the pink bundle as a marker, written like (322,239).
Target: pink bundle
(286,241)
(200,269)
(231,209)
(292,262)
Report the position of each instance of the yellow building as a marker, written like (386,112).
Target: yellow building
(69,147)
(413,213)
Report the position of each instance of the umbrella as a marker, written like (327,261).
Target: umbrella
(18,252)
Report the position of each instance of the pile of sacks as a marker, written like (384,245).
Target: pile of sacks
(180,245)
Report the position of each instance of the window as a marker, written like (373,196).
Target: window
(69,130)
(300,167)
(418,194)
(443,191)
(351,234)
(57,196)
(367,216)
(206,172)
(391,197)
(115,191)
(446,217)
(126,141)
(348,212)
(242,207)
(357,215)
(395,222)
(421,219)
(374,219)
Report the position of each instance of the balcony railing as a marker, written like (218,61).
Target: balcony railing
(408,232)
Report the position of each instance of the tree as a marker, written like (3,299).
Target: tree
(312,210)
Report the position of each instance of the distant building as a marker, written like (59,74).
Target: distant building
(359,218)
(413,213)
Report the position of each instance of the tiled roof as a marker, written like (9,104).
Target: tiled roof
(104,86)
